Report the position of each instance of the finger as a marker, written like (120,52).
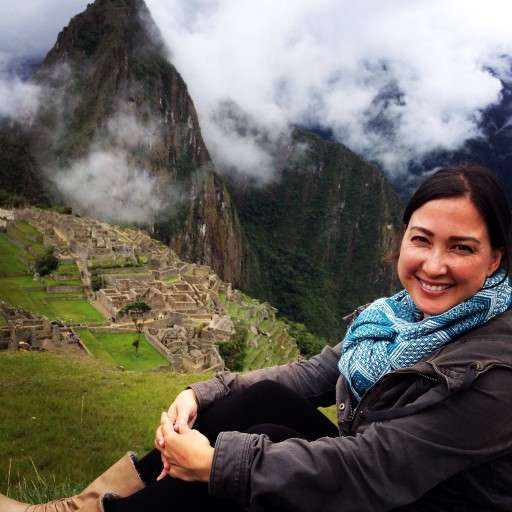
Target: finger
(159,438)
(182,417)
(172,413)
(184,428)
(163,474)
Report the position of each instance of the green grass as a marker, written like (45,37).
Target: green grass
(70,418)
(117,348)
(31,295)
(28,238)
(9,260)
(3,321)
(74,417)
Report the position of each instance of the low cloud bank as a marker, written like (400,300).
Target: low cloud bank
(392,80)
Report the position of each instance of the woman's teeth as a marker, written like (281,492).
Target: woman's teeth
(434,287)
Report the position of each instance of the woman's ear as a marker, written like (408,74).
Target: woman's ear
(497,256)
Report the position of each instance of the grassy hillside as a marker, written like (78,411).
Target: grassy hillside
(70,417)
(58,410)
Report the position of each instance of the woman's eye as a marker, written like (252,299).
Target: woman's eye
(419,239)
(467,249)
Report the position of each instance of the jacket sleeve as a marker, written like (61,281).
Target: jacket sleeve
(314,379)
(390,464)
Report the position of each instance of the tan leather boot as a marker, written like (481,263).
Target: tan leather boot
(121,479)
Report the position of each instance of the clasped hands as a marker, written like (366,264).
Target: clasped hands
(186,453)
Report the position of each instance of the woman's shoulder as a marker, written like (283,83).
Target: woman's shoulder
(487,346)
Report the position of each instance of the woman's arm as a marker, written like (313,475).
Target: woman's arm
(314,379)
(390,464)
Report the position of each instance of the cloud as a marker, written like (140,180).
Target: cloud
(105,184)
(393,80)
(110,182)
(18,99)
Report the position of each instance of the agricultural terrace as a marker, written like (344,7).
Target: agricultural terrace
(117,348)
(19,248)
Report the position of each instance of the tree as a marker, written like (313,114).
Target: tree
(47,263)
(136,310)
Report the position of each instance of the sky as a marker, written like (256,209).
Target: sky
(393,80)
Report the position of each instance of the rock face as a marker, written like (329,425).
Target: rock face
(108,71)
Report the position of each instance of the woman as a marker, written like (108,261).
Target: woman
(422,384)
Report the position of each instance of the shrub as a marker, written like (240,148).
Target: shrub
(47,263)
(233,351)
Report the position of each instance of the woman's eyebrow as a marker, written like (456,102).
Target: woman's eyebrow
(451,238)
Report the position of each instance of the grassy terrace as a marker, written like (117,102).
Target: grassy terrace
(18,249)
(262,350)
(32,296)
(116,348)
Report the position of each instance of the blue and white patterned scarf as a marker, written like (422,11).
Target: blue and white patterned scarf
(390,333)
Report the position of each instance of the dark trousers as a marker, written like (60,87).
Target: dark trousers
(264,408)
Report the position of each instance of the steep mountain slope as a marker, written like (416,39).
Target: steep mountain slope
(20,176)
(110,87)
(319,233)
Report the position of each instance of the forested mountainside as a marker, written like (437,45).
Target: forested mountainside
(318,235)
(311,242)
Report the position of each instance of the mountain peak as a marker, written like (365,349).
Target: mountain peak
(103,25)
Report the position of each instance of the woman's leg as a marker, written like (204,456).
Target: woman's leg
(171,494)
(265,408)
(265,402)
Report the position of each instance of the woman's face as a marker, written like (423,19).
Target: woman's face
(445,255)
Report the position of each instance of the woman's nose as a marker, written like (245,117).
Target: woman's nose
(435,263)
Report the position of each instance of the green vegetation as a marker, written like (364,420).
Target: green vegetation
(136,310)
(269,345)
(57,411)
(32,296)
(20,251)
(47,263)
(9,258)
(316,236)
(116,348)
(234,351)
(309,344)
(113,262)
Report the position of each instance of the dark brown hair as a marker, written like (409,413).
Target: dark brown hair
(484,190)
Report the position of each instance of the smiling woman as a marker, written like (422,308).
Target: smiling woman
(446,254)
(421,381)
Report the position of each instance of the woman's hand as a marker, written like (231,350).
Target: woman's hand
(187,454)
(183,411)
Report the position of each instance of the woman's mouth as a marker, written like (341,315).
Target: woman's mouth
(433,287)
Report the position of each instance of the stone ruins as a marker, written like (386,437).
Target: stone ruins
(187,319)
